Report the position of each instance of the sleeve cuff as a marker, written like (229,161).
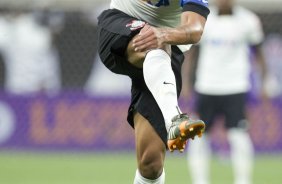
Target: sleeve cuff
(202,10)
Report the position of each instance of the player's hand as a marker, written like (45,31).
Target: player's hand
(149,38)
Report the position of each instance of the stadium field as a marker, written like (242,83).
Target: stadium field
(118,168)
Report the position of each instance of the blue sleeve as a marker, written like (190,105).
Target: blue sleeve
(199,2)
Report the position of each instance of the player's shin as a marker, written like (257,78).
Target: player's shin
(199,156)
(160,80)
(242,155)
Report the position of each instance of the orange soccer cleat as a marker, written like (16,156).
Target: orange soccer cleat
(182,129)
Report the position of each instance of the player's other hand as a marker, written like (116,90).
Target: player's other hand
(149,38)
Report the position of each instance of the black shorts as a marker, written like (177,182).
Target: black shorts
(232,107)
(113,38)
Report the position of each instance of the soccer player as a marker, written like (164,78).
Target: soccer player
(30,61)
(139,38)
(222,81)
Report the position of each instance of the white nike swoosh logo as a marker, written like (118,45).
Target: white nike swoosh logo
(205,1)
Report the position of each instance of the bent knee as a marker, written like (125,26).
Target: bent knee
(136,58)
(151,167)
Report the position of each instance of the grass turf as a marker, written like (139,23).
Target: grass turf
(118,168)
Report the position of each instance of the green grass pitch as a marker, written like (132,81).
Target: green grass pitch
(117,168)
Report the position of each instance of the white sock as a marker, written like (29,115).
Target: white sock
(242,154)
(139,179)
(160,80)
(199,154)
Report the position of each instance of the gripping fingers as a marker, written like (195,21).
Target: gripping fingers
(145,47)
(144,44)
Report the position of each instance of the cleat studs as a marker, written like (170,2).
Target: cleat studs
(181,150)
(183,134)
(191,129)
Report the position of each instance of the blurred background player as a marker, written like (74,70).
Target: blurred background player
(30,60)
(132,47)
(222,82)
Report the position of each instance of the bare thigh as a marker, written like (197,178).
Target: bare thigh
(150,149)
(137,58)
